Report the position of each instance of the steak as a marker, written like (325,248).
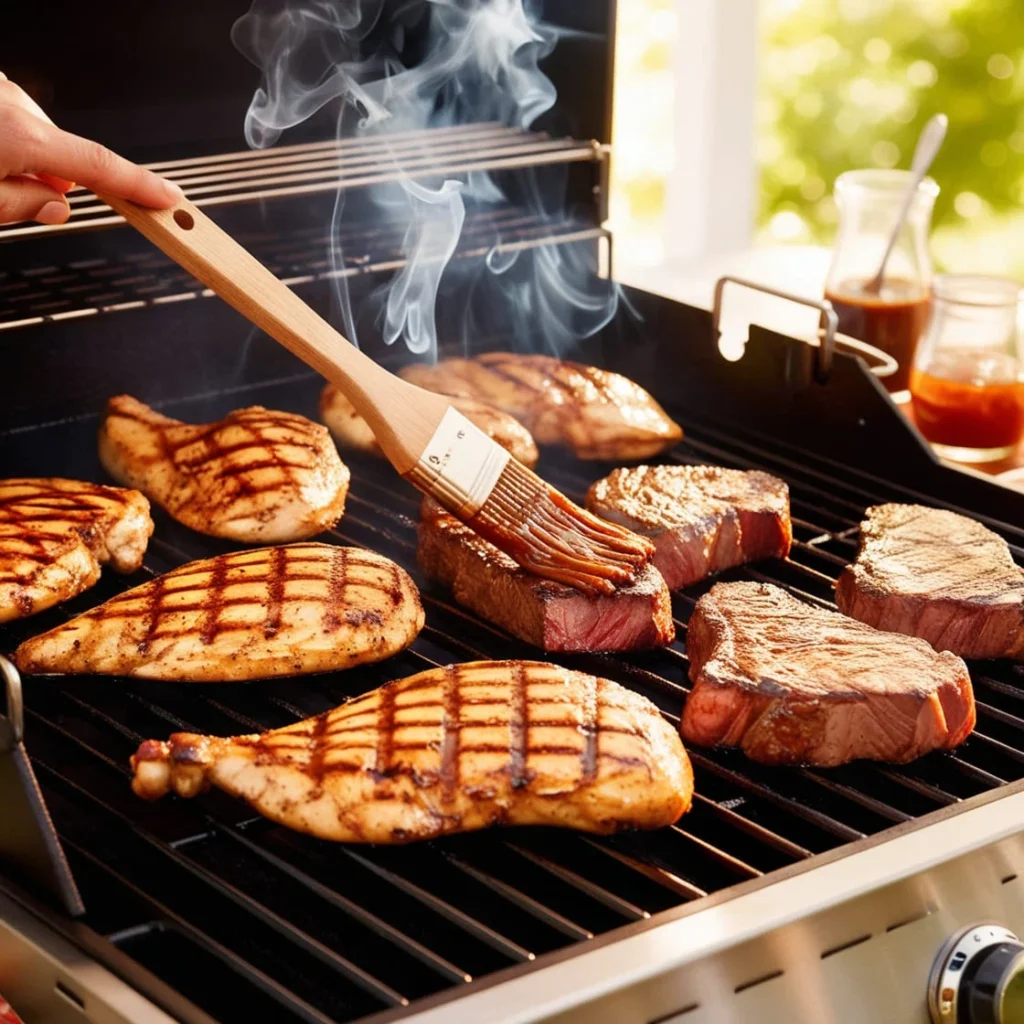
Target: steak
(702,519)
(547,614)
(937,575)
(791,683)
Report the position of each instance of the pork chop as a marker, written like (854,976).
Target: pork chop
(934,574)
(792,683)
(702,519)
(545,613)
(448,750)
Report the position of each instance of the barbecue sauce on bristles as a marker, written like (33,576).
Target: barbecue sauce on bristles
(550,536)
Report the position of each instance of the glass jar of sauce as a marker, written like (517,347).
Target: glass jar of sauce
(967,384)
(894,317)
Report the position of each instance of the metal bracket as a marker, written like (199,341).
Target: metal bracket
(29,845)
(602,187)
(828,322)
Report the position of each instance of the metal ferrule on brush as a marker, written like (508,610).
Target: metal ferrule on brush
(460,465)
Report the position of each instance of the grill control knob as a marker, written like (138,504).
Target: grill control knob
(978,978)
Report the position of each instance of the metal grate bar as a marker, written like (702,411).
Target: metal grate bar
(594,891)
(387,931)
(245,187)
(530,905)
(480,931)
(91,290)
(661,875)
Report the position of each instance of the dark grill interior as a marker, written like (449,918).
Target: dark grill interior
(34,294)
(189,888)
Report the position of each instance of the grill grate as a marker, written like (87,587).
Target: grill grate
(312,168)
(35,295)
(327,932)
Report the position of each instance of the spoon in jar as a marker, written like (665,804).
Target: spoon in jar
(928,145)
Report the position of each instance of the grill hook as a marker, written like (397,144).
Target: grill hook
(28,841)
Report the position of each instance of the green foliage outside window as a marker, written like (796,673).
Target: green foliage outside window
(850,83)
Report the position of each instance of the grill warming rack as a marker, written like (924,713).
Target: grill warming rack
(85,288)
(317,167)
(187,889)
(51,293)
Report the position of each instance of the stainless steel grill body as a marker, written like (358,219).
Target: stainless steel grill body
(209,911)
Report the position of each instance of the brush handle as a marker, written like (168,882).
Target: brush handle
(403,417)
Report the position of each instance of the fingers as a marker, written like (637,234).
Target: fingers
(31,144)
(15,94)
(29,199)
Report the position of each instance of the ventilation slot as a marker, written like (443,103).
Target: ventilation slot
(930,909)
(72,997)
(845,945)
(670,1018)
(758,981)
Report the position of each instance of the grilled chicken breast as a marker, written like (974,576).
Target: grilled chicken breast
(934,574)
(352,431)
(257,476)
(449,750)
(598,414)
(55,534)
(280,611)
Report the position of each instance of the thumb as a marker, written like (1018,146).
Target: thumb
(30,199)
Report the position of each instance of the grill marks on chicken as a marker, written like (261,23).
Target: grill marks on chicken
(596,413)
(934,574)
(702,519)
(545,613)
(448,750)
(55,534)
(791,683)
(258,475)
(271,612)
(352,431)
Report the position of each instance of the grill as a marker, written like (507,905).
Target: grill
(230,911)
(784,895)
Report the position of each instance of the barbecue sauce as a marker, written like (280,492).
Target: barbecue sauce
(893,319)
(967,400)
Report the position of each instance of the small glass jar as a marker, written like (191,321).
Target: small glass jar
(967,385)
(894,317)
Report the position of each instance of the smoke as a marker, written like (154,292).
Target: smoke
(479,61)
(434,228)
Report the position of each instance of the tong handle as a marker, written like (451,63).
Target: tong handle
(400,415)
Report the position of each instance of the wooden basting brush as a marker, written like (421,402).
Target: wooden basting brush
(428,442)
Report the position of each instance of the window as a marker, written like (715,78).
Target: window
(734,117)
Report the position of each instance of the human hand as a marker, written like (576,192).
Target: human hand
(39,163)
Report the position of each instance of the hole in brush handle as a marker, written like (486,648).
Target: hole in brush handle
(184,220)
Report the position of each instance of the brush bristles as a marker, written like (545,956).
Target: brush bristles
(550,536)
